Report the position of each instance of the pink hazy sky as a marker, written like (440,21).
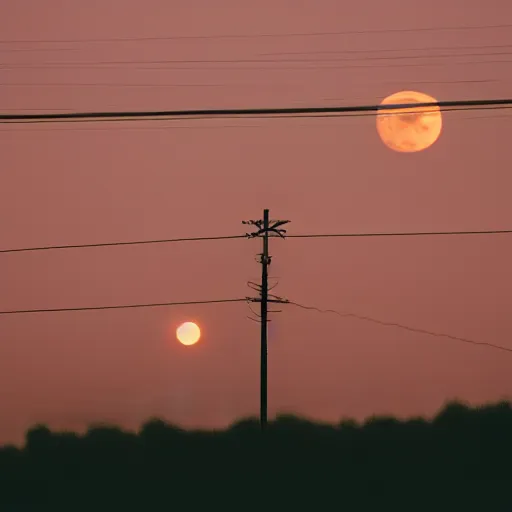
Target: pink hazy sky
(91,182)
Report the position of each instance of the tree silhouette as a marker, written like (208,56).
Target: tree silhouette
(458,460)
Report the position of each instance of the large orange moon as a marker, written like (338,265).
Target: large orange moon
(188,333)
(408,130)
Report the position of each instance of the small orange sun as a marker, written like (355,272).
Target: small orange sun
(188,333)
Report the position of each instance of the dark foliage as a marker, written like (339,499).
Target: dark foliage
(461,460)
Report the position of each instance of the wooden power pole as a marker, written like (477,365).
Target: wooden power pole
(264,314)
(265,227)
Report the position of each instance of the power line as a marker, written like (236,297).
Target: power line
(309,52)
(14,109)
(234,237)
(315,52)
(402,326)
(113,244)
(257,112)
(256,116)
(252,36)
(74,64)
(203,127)
(390,50)
(232,85)
(123,306)
(456,48)
(151,128)
(105,84)
(417,233)
(261,116)
(219,86)
(271,65)
(6,50)
(474,118)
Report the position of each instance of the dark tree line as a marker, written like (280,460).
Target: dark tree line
(460,460)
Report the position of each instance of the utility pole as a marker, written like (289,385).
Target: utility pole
(264,313)
(265,227)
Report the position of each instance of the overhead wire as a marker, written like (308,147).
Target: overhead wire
(276,65)
(261,35)
(390,50)
(234,237)
(137,128)
(114,129)
(100,64)
(334,115)
(259,112)
(401,326)
(122,306)
(474,118)
(114,244)
(402,234)
(107,84)
(4,50)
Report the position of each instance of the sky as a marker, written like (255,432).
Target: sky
(138,180)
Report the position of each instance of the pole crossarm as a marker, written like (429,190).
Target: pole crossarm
(273,227)
(276,300)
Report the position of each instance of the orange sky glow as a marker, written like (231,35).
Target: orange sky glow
(92,182)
